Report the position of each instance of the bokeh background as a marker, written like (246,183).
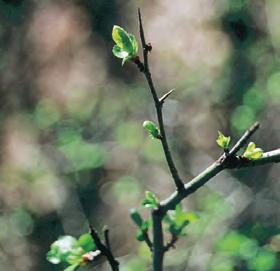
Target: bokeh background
(72,147)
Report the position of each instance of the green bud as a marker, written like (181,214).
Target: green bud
(223,141)
(152,129)
(136,217)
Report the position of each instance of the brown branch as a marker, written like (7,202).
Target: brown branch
(171,243)
(104,248)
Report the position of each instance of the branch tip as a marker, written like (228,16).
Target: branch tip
(246,136)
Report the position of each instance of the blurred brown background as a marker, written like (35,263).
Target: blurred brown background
(71,140)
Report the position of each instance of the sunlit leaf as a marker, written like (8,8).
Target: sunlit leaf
(86,242)
(223,141)
(252,152)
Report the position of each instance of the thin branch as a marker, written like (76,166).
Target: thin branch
(147,240)
(173,170)
(267,158)
(224,162)
(242,141)
(165,96)
(171,243)
(106,237)
(105,250)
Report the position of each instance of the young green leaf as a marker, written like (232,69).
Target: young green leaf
(86,242)
(223,141)
(150,201)
(71,251)
(152,129)
(126,46)
(252,153)
(177,220)
(61,249)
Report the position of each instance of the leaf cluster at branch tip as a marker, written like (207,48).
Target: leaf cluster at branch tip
(72,251)
(223,141)
(150,201)
(252,153)
(126,46)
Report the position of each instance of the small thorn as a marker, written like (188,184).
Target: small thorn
(165,96)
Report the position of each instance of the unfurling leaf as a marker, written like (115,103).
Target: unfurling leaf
(152,129)
(177,220)
(223,141)
(126,46)
(252,152)
(150,201)
(86,242)
(69,250)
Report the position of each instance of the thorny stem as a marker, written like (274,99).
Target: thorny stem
(104,248)
(158,104)
(228,160)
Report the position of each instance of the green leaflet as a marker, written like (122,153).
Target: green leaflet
(152,129)
(150,201)
(252,152)
(69,250)
(178,219)
(126,46)
(223,141)
(86,242)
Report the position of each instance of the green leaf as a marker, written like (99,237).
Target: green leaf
(251,146)
(136,217)
(126,44)
(252,153)
(223,141)
(86,242)
(152,129)
(134,44)
(53,257)
(122,39)
(150,201)
(177,220)
(61,249)
(118,52)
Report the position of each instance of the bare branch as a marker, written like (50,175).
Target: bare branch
(171,243)
(105,250)
(148,240)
